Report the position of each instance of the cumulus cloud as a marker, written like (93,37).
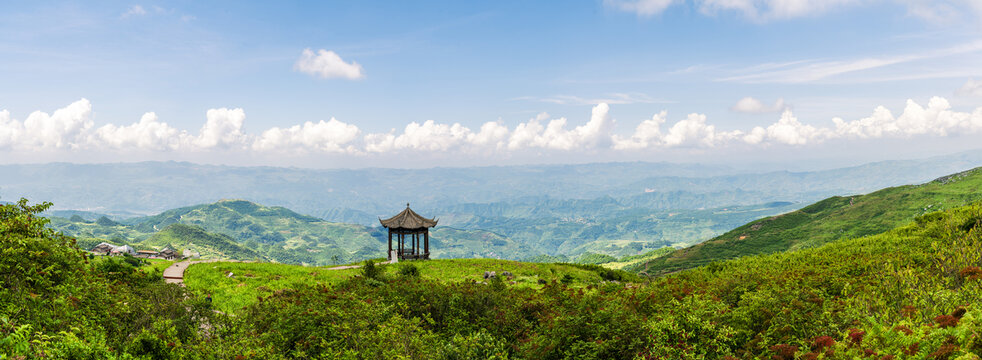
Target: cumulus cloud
(71,129)
(554,135)
(327,64)
(610,99)
(223,129)
(329,136)
(147,134)
(754,106)
(65,129)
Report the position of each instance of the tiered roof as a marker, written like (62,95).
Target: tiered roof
(408,219)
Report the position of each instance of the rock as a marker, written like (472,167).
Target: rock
(489,275)
(507,274)
(542,281)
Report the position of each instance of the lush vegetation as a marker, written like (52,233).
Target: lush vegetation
(911,292)
(278,234)
(57,302)
(233,285)
(827,220)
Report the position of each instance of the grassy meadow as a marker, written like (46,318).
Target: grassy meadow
(250,281)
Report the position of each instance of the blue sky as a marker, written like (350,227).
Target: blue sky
(456,83)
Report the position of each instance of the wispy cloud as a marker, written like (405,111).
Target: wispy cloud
(135,10)
(972,87)
(761,11)
(804,71)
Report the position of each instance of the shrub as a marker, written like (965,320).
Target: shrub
(409,270)
(371,271)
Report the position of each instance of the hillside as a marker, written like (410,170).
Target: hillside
(250,280)
(194,238)
(911,292)
(827,220)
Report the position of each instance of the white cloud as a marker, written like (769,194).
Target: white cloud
(223,129)
(614,99)
(761,10)
(9,130)
(788,130)
(147,134)
(805,71)
(70,129)
(647,134)
(936,119)
(937,11)
(752,105)
(641,7)
(65,129)
(972,87)
(595,133)
(330,136)
(135,10)
(327,64)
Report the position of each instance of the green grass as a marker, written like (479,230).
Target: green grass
(828,220)
(252,280)
(159,264)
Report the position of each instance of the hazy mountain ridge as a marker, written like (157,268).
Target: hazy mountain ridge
(362,195)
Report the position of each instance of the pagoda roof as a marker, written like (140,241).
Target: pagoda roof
(408,219)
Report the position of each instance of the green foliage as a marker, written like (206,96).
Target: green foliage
(408,270)
(371,271)
(912,292)
(593,258)
(55,302)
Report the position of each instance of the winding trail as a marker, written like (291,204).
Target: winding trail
(174,274)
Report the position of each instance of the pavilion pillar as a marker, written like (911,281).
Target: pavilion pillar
(426,244)
(390,246)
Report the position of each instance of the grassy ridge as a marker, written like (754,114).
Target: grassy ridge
(827,220)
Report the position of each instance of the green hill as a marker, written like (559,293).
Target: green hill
(277,234)
(209,245)
(913,292)
(827,220)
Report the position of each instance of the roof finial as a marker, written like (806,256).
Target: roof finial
(407,205)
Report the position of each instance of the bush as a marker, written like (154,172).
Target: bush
(408,270)
(372,271)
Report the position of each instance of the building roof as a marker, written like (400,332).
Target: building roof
(104,248)
(408,219)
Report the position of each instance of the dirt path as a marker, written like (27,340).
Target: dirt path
(174,274)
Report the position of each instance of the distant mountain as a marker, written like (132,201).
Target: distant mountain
(362,195)
(828,220)
(243,230)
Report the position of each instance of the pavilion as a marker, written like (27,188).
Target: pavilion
(412,234)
